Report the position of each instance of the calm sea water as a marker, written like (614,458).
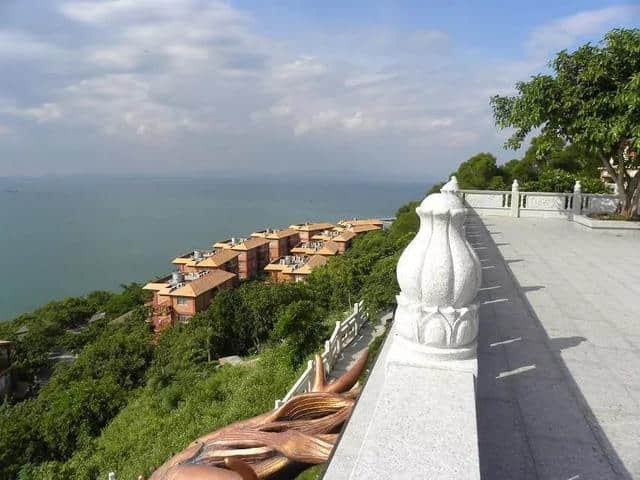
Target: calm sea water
(64,237)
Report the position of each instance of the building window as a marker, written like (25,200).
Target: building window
(182,300)
(184,318)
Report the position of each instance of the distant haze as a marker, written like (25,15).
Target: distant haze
(360,90)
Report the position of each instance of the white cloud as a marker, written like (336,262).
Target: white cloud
(17,45)
(197,75)
(47,112)
(563,32)
(369,79)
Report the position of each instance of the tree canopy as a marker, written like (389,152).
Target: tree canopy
(592,101)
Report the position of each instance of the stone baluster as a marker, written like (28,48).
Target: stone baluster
(515,199)
(577,198)
(439,276)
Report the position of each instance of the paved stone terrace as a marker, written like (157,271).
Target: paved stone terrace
(559,351)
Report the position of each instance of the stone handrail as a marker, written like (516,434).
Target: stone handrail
(516,203)
(343,334)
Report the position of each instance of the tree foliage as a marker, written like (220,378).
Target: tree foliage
(591,101)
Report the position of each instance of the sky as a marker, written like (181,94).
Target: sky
(251,88)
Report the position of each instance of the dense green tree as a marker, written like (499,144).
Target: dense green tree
(301,325)
(592,101)
(477,172)
(381,287)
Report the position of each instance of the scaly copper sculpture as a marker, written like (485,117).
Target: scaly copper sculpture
(302,431)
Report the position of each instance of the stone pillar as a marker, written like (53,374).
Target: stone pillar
(577,198)
(439,276)
(416,417)
(515,199)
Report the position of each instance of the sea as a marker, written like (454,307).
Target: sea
(68,236)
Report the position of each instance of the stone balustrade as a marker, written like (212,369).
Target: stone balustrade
(515,203)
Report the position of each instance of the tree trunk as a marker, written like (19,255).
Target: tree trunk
(628,188)
(633,196)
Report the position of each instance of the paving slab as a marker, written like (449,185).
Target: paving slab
(559,351)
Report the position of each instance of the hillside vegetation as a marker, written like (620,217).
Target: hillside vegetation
(126,405)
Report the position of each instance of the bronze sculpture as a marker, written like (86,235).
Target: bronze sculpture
(303,431)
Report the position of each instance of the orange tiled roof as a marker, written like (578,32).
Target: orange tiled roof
(196,287)
(314,261)
(276,234)
(364,228)
(327,248)
(309,227)
(343,236)
(357,221)
(216,260)
(250,243)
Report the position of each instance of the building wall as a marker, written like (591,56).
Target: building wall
(188,308)
(160,299)
(247,264)
(262,256)
(282,246)
(231,266)
(343,246)
(275,248)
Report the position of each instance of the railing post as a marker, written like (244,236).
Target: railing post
(338,341)
(424,396)
(577,198)
(515,199)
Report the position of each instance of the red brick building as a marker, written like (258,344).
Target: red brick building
(342,238)
(308,230)
(280,241)
(254,255)
(180,296)
(199,260)
(316,247)
(294,268)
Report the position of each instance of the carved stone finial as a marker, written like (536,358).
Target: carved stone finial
(439,276)
(515,185)
(451,186)
(577,188)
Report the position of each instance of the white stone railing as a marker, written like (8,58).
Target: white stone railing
(598,203)
(416,416)
(544,204)
(515,203)
(343,334)
(488,202)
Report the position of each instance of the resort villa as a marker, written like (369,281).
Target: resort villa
(316,247)
(5,368)
(253,254)
(180,296)
(293,268)
(199,260)
(342,238)
(308,230)
(280,241)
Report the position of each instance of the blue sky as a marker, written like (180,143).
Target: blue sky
(360,89)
